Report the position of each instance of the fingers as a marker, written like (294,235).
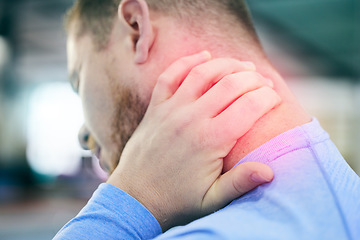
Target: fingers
(241,115)
(235,183)
(204,76)
(228,89)
(170,80)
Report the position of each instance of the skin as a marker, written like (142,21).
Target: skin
(189,130)
(116,86)
(214,189)
(102,84)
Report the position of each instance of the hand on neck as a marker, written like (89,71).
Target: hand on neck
(288,115)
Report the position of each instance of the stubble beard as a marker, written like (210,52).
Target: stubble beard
(128,113)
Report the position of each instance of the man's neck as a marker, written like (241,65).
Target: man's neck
(288,115)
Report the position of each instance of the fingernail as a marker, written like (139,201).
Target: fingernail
(250,66)
(269,82)
(258,178)
(206,54)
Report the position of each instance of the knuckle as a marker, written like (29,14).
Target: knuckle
(182,119)
(229,83)
(238,185)
(252,77)
(256,77)
(274,97)
(249,100)
(163,81)
(253,103)
(261,99)
(197,72)
(268,93)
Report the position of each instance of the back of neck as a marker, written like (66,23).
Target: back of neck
(288,115)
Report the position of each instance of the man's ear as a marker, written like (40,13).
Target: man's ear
(135,14)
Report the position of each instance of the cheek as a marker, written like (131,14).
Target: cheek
(96,107)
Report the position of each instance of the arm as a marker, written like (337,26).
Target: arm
(111,214)
(188,129)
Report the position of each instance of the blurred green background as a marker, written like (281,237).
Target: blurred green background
(45,178)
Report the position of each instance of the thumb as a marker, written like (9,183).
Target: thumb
(235,183)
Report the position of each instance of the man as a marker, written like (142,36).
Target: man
(315,195)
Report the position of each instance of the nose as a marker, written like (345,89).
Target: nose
(83,137)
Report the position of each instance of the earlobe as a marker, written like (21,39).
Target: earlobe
(135,14)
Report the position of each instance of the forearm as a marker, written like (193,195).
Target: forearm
(111,214)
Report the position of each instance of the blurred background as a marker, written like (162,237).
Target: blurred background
(45,178)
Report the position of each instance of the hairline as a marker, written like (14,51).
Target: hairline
(74,22)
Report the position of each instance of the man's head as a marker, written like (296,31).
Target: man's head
(97,17)
(116,54)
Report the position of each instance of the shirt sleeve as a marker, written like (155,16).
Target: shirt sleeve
(111,214)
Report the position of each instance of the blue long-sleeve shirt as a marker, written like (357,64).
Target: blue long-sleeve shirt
(314,195)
